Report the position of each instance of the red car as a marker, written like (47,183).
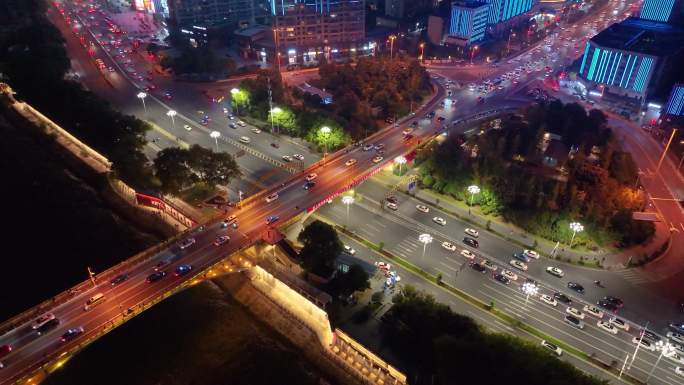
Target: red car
(5,350)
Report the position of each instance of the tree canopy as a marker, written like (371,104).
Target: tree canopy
(321,247)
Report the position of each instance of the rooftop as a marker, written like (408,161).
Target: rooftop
(469,4)
(642,36)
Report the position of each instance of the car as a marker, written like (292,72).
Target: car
(391,206)
(5,350)
(348,250)
(119,279)
(221,240)
(245,139)
(574,321)
(204,122)
(423,208)
(472,232)
(607,326)
(407,131)
(298,156)
(531,254)
(185,243)
(679,370)
(287,158)
(449,246)
(241,123)
(379,146)
(42,320)
(574,312)
(553,348)
(229,221)
(272,219)
(311,177)
(521,257)
(271,197)
(677,327)
(350,162)
(383,266)
(614,300)
(593,310)
(562,297)
(576,287)
(607,305)
(232,125)
(489,265)
(620,323)
(509,274)
(477,267)
(650,335)
(377,159)
(555,271)
(47,326)
(72,333)
(676,337)
(548,299)
(392,199)
(472,242)
(676,357)
(518,265)
(468,254)
(187,127)
(368,147)
(156,276)
(439,220)
(408,137)
(502,278)
(182,270)
(309,185)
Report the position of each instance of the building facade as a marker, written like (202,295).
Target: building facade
(306,29)
(505,10)
(657,10)
(212,14)
(468,20)
(675,103)
(395,8)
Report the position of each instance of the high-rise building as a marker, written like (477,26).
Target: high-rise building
(632,57)
(504,10)
(468,20)
(395,8)
(305,29)
(675,103)
(211,14)
(657,10)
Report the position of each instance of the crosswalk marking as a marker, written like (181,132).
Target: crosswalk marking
(635,276)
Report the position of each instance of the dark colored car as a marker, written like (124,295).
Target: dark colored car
(478,267)
(154,277)
(46,327)
(118,279)
(5,350)
(308,185)
(272,219)
(392,199)
(72,333)
(576,287)
(614,300)
(532,281)
(650,335)
(182,270)
(408,137)
(678,327)
(521,257)
(471,242)
(607,305)
(562,298)
(502,278)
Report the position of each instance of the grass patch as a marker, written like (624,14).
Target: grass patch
(197,194)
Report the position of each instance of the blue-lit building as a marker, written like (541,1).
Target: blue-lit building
(630,58)
(468,20)
(657,10)
(675,103)
(505,10)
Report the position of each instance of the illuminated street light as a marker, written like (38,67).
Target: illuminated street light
(348,200)
(142,96)
(275,110)
(171,114)
(576,227)
(425,239)
(215,135)
(422,51)
(530,289)
(401,161)
(237,97)
(325,130)
(392,38)
(472,190)
(666,349)
(472,53)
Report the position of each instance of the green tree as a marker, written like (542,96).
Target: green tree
(355,279)
(321,247)
(284,120)
(212,168)
(172,169)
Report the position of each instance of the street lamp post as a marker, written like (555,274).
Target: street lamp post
(325,130)
(666,349)
(472,190)
(235,94)
(348,200)
(275,110)
(425,239)
(142,96)
(400,160)
(392,38)
(508,45)
(472,53)
(576,227)
(530,289)
(215,135)
(171,114)
(422,51)
(667,147)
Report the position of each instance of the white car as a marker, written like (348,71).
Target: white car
(287,158)
(311,177)
(531,254)
(574,312)
(468,254)
(368,147)
(555,271)
(553,348)
(407,131)
(272,197)
(256,130)
(187,127)
(620,323)
(350,162)
(298,156)
(42,320)
(348,250)
(472,232)
(245,139)
(510,275)
(423,208)
(185,243)
(449,246)
(488,264)
(383,266)
(392,205)
(439,221)
(548,299)
(679,370)
(593,310)
(676,337)
(607,326)
(518,265)
(377,159)
(221,240)
(241,123)
(645,343)
(675,357)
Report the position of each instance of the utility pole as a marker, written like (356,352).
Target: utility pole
(270,102)
(91,275)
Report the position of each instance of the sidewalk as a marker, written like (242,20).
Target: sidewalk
(608,259)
